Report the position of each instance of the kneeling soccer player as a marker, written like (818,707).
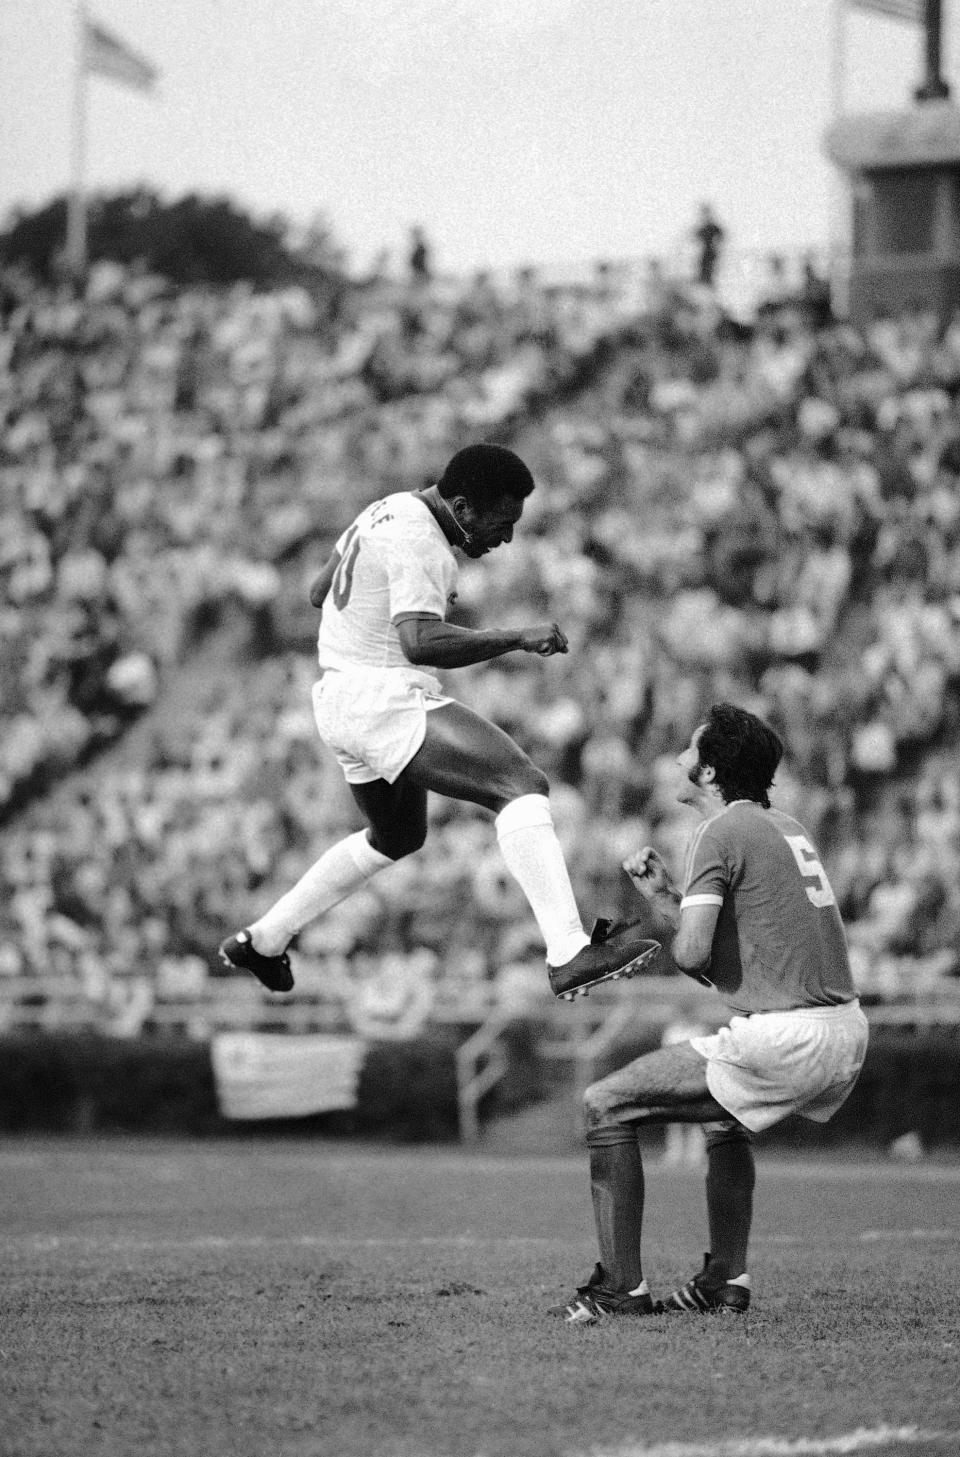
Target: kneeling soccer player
(757,921)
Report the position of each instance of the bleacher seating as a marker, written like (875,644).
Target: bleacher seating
(767,512)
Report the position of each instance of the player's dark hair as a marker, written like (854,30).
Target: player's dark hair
(484,474)
(743,752)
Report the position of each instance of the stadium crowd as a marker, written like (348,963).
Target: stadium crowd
(765,510)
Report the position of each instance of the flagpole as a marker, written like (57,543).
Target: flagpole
(77,201)
(839,209)
(838,59)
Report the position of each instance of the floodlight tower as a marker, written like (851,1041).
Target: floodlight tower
(904,174)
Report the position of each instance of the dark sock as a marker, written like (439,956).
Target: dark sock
(616,1183)
(730,1179)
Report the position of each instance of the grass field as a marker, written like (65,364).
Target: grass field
(300,1298)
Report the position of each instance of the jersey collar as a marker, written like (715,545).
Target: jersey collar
(444,518)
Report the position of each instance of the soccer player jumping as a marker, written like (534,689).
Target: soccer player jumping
(758,921)
(384,594)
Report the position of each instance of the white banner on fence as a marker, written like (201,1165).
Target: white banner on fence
(279,1075)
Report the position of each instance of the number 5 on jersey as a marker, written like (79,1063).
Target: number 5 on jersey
(821,894)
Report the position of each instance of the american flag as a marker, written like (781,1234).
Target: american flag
(105,54)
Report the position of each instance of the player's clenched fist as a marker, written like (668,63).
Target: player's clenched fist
(543,640)
(647,871)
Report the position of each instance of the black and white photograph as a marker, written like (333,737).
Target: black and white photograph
(480,728)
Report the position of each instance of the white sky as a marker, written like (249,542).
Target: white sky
(538,131)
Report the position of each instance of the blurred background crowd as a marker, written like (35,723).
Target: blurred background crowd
(763,509)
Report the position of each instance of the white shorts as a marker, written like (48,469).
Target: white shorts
(374,721)
(764,1067)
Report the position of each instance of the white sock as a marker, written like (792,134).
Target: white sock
(743,1280)
(338,873)
(642,1289)
(529,845)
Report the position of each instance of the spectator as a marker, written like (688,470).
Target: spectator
(815,295)
(419,256)
(709,235)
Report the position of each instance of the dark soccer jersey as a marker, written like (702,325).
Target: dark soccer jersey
(779,941)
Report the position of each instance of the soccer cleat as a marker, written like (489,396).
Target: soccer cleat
(616,951)
(239,954)
(710,1292)
(592,1302)
(595,1279)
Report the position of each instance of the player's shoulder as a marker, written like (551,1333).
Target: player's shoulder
(763,832)
(401,514)
(746,815)
(786,824)
(385,508)
(744,823)
(704,835)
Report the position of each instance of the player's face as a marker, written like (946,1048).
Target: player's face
(490,528)
(690,790)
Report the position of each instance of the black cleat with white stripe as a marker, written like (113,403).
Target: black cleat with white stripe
(711,1292)
(593,1302)
(238,952)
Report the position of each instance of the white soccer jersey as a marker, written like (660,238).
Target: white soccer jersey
(394,562)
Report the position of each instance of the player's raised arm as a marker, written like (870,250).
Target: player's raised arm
(429,642)
(694,925)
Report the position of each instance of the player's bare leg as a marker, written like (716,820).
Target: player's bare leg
(397,815)
(398,827)
(666,1085)
(464,756)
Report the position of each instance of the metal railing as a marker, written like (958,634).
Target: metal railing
(481,1064)
(55,1003)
